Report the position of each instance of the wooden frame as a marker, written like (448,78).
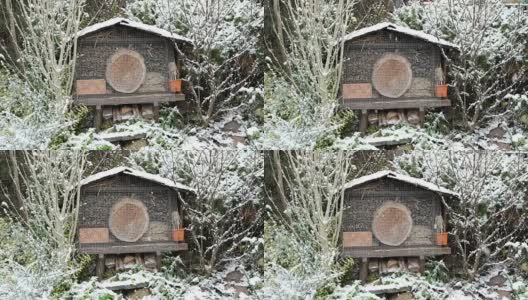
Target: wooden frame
(114,248)
(369,104)
(362,55)
(395,252)
(123,99)
(378,104)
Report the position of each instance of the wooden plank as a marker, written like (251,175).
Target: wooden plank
(363,272)
(387,289)
(422,265)
(422,116)
(387,141)
(93,235)
(100,268)
(121,99)
(121,137)
(124,285)
(90,87)
(158,260)
(363,121)
(357,239)
(132,248)
(98,117)
(357,90)
(395,252)
(155,111)
(394,104)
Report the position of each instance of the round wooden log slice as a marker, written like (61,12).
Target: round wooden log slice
(392,75)
(126,71)
(392,223)
(129,220)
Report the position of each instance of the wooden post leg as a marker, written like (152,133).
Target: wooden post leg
(100,268)
(363,121)
(98,117)
(422,265)
(155,111)
(158,260)
(422,117)
(363,272)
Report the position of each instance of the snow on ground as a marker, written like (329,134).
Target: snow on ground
(191,137)
(495,136)
(164,286)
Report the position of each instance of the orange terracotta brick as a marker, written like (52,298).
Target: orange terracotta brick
(90,87)
(357,239)
(93,235)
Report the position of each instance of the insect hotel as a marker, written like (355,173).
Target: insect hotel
(125,69)
(130,217)
(392,74)
(393,221)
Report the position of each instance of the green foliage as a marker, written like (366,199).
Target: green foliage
(346,267)
(58,140)
(79,114)
(325,141)
(104,148)
(324,292)
(347,119)
(412,16)
(435,122)
(436,271)
(106,297)
(173,267)
(61,288)
(281,99)
(84,262)
(170,117)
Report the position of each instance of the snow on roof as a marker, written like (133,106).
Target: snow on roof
(393,175)
(132,24)
(393,27)
(136,173)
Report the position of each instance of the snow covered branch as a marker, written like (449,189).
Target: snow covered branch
(47,185)
(490,211)
(227,210)
(225,35)
(489,65)
(312,182)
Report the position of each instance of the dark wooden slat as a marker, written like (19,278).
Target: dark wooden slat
(119,99)
(394,104)
(363,271)
(395,252)
(124,285)
(123,138)
(100,268)
(134,248)
(98,117)
(387,289)
(363,122)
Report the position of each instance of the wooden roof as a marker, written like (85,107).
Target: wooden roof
(400,177)
(132,24)
(140,174)
(404,30)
